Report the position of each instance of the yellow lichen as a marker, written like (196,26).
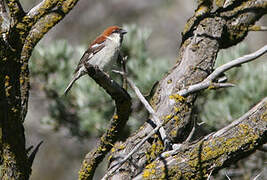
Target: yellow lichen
(7,85)
(115,116)
(202,10)
(21,80)
(173,133)
(176,109)
(122,146)
(176,118)
(109,158)
(146,173)
(13,109)
(7,78)
(168,117)
(211,87)
(149,170)
(264,116)
(20,26)
(177,97)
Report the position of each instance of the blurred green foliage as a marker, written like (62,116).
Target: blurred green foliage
(220,107)
(87,109)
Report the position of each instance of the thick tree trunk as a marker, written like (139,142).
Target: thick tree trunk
(20,32)
(204,35)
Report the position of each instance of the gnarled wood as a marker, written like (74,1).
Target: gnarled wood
(204,35)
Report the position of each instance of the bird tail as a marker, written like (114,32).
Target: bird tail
(70,85)
(76,76)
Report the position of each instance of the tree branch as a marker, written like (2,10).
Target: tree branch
(15,9)
(123,110)
(257,28)
(155,119)
(204,35)
(4,24)
(214,152)
(39,29)
(22,34)
(208,82)
(42,8)
(115,167)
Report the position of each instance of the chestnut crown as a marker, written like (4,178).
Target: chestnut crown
(113,29)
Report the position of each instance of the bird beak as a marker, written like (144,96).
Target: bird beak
(122,31)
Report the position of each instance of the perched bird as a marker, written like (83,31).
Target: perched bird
(102,52)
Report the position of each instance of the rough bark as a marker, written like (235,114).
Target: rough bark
(215,151)
(204,35)
(123,109)
(20,32)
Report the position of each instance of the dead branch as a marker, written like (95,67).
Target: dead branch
(42,8)
(19,35)
(37,24)
(208,82)
(123,109)
(258,28)
(155,119)
(204,35)
(214,152)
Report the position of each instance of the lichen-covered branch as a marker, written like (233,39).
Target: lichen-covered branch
(213,152)
(38,30)
(40,9)
(123,109)
(204,35)
(15,9)
(20,32)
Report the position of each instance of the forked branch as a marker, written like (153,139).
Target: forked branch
(208,82)
(123,110)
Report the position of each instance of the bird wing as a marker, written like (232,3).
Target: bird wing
(94,48)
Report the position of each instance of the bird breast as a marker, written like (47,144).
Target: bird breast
(106,58)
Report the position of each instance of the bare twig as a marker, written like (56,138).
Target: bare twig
(154,118)
(119,164)
(34,152)
(210,174)
(207,83)
(155,130)
(257,28)
(227,176)
(256,177)
(235,123)
(191,133)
